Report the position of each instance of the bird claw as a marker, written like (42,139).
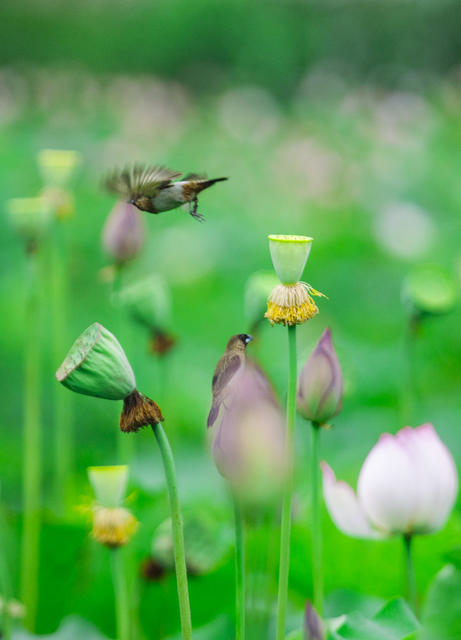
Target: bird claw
(193,211)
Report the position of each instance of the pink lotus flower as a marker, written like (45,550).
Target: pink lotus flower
(320,386)
(407,485)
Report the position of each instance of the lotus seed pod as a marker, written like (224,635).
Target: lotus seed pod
(58,166)
(289,255)
(96,365)
(148,301)
(31,217)
(109,484)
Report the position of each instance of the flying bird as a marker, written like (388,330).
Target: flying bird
(229,364)
(156,189)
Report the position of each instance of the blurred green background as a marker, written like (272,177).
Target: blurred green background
(340,120)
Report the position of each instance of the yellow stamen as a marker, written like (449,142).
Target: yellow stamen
(291,304)
(113,527)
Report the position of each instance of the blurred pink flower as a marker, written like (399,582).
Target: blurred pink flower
(407,485)
(123,233)
(320,384)
(249,441)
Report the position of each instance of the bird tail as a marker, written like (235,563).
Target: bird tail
(200,185)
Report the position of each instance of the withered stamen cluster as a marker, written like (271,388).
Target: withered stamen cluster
(138,412)
(291,304)
(113,527)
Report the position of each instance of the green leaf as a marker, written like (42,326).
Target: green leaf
(70,629)
(295,635)
(441,616)
(394,621)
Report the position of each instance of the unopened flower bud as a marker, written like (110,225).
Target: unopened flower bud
(96,365)
(31,217)
(57,166)
(289,255)
(320,385)
(113,527)
(314,628)
(123,233)
(249,441)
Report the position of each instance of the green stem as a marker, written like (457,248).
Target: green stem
(5,581)
(62,403)
(410,572)
(32,450)
(121,595)
(317,572)
(285,526)
(177,527)
(239,573)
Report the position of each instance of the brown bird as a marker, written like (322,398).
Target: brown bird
(228,365)
(153,189)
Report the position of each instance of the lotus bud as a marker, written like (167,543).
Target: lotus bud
(96,365)
(320,385)
(123,233)
(113,526)
(249,441)
(31,217)
(291,302)
(314,629)
(407,485)
(429,289)
(257,290)
(58,166)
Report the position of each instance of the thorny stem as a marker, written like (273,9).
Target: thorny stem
(285,527)
(316,522)
(239,573)
(177,528)
(121,595)
(62,404)
(410,572)
(32,449)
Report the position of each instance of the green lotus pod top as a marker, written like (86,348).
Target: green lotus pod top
(57,166)
(96,365)
(257,290)
(109,484)
(430,288)
(30,216)
(148,301)
(289,255)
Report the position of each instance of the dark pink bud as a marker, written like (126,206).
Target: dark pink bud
(320,385)
(313,624)
(123,233)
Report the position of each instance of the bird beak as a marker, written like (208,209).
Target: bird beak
(249,339)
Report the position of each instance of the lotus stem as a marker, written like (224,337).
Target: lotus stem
(285,527)
(121,595)
(177,529)
(240,590)
(317,569)
(410,572)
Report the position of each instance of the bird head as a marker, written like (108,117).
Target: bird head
(239,341)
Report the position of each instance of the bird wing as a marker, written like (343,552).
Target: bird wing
(195,176)
(219,383)
(139,180)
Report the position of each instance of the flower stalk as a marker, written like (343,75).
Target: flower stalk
(411,590)
(121,595)
(240,587)
(285,527)
(316,524)
(177,530)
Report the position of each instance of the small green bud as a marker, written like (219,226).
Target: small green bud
(148,301)
(430,289)
(109,484)
(258,288)
(57,166)
(289,255)
(96,365)
(30,217)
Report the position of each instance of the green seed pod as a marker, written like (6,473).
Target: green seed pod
(289,255)
(96,365)
(148,301)
(109,484)
(430,289)
(57,166)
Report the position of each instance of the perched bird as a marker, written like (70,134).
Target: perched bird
(228,365)
(153,189)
